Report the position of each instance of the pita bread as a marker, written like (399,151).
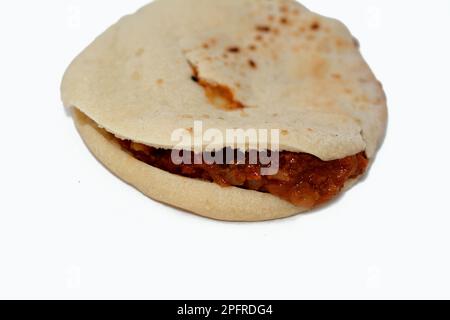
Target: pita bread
(290,68)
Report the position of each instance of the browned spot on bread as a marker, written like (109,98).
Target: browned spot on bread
(160,81)
(315,26)
(284,132)
(270,17)
(284,20)
(252,47)
(187,116)
(263,28)
(218,95)
(341,43)
(310,130)
(276,31)
(190,130)
(234,49)
(221,96)
(319,67)
(252,64)
(356,43)
(364,98)
(258,37)
(205,116)
(194,78)
(336,76)
(205,46)
(284,8)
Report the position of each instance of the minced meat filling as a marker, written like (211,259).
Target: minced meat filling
(302,179)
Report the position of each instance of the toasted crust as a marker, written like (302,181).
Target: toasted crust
(203,198)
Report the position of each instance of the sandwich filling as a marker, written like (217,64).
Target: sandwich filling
(302,179)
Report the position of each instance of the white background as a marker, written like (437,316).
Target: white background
(70,229)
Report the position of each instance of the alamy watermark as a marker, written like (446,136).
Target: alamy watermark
(229,146)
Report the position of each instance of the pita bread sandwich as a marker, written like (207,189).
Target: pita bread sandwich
(178,75)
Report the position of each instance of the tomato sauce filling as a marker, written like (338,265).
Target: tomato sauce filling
(302,179)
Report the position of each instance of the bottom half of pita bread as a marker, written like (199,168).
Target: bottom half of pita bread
(200,197)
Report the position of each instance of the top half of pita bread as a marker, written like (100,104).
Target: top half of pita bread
(291,69)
